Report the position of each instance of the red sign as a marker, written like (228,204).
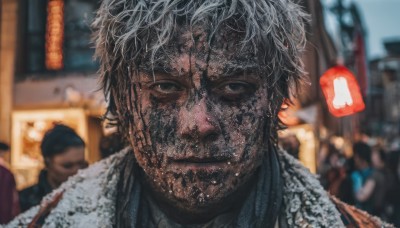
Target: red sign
(341,91)
(54,35)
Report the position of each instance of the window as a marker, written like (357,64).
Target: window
(50,32)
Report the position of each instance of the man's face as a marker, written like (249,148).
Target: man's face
(199,120)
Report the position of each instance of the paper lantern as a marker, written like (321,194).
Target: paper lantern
(341,91)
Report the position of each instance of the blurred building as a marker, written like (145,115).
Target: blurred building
(336,35)
(307,117)
(48,75)
(384,99)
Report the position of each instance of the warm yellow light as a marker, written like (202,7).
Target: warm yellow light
(55,35)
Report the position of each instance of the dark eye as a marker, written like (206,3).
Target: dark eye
(166,89)
(235,90)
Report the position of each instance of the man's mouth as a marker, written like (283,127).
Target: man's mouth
(194,159)
(200,162)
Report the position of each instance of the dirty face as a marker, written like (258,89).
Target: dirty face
(199,119)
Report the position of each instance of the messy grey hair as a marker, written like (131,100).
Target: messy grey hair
(127,29)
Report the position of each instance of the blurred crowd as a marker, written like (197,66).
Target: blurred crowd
(369,179)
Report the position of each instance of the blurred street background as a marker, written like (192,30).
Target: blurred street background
(48,75)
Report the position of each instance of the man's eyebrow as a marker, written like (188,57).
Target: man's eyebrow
(238,69)
(157,68)
(163,70)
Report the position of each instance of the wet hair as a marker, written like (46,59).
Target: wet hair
(4,146)
(363,151)
(58,139)
(111,144)
(126,31)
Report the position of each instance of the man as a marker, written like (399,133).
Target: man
(9,206)
(196,87)
(63,151)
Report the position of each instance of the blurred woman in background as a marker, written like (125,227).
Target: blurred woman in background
(63,152)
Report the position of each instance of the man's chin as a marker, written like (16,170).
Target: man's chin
(200,200)
(196,210)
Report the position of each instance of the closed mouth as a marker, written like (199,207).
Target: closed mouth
(200,160)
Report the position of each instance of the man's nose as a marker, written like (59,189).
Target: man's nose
(198,123)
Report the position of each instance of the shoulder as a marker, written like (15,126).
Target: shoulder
(29,197)
(7,177)
(353,217)
(6,173)
(28,190)
(88,198)
(306,202)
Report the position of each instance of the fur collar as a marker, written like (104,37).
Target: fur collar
(89,197)
(305,202)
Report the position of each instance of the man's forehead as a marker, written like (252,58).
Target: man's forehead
(220,51)
(215,66)
(216,62)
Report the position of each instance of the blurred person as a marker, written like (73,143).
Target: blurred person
(332,170)
(336,172)
(346,192)
(196,88)
(393,196)
(9,205)
(362,163)
(368,182)
(63,151)
(383,180)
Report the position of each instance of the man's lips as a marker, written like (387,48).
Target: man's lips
(200,161)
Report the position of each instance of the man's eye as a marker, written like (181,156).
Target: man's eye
(166,90)
(166,87)
(235,90)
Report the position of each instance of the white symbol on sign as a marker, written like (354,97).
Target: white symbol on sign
(342,96)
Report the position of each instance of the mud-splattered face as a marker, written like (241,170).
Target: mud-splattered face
(199,120)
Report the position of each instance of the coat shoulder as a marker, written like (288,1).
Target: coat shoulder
(353,217)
